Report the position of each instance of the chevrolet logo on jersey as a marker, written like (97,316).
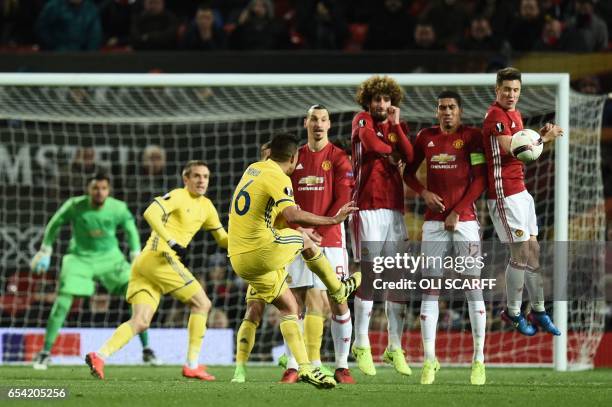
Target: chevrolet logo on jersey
(311,180)
(443,158)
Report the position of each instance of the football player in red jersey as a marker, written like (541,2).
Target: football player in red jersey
(379,144)
(511,207)
(456,177)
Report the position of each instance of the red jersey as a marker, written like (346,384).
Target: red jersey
(505,173)
(378,183)
(449,159)
(322,184)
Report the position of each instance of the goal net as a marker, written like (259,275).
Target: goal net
(56,130)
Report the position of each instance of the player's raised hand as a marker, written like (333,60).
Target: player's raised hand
(451,221)
(393,114)
(41,260)
(180,251)
(345,211)
(550,132)
(433,201)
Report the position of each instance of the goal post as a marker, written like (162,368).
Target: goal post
(249,107)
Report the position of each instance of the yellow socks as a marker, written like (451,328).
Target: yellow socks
(122,335)
(245,339)
(196,328)
(313,335)
(321,267)
(291,333)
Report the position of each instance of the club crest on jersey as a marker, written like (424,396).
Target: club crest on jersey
(518,233)
(499,127)
(288,191)
(458,144)
(393,137)
(326,165)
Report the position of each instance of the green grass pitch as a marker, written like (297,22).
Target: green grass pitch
(164,386)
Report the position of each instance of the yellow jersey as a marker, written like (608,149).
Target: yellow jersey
(184,215)
(263,192)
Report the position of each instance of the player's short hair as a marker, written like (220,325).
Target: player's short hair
(316,107)
(379,85)
(99,176)
(508,74)
(190,164)
(283,146)
(450,94)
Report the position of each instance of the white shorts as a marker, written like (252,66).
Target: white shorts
(377,232)
(301,276)
(462,244)
(514,217)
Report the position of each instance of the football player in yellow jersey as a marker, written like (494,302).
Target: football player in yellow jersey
(259,252)
(161,268)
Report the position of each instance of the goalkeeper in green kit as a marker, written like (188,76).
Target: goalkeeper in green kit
(93,254)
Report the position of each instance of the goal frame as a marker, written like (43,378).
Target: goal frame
(561,81)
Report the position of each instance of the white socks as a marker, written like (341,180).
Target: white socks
(515,280)
(429,324)
(363,311)
(395,327)
(535,288)
(478,320)
(341,329)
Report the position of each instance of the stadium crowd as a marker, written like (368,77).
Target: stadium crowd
(452,25)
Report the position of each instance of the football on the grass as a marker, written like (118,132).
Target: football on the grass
(526,145)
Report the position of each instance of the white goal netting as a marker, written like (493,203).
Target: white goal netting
(52,138)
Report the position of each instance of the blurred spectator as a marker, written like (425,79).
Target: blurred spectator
(391,27)
(74,177)
(321,24)
(258,30)
(116,17)
(554,8)
(155,28)
(589,85)
(153,161)
(425,38)
(17,18)
(450,20)
(217,319)
(69,25)
(528,26)
(552,36)
(480,37)
(586,32)
(203,34)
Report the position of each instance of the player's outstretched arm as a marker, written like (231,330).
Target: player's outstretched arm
(304,218)
(42,259)
(213,225)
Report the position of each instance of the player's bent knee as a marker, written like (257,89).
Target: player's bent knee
(200,303)
(254,311)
